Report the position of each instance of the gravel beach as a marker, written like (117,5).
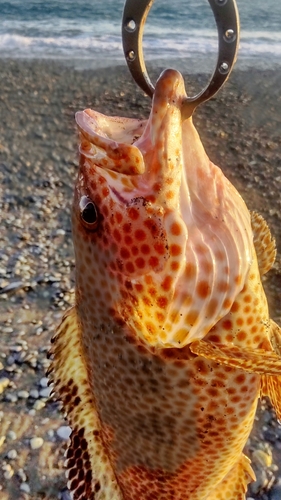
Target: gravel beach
(240,129)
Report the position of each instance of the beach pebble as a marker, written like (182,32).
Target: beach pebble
(44,382)
(39,404)
(23,394)
(22,475)
(34,393)
(64,432)
(11,435)
(11,397)
(2,440)
(8,471)
(12,454)
(45,393)
(25,487)
(4,382)
(36,442)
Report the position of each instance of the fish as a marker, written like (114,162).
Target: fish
(161,362)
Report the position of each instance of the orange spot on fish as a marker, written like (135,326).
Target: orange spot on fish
(130,267)
(191,317)
(175,250)
(174,265)
(117,235)
(127,227)
(150,224)
(167,283)
(140,235)
(133,213)
(214,338)
(145,249)
(162,302)
(140,262)
(124,253)
(222,286)
(203,289)
(213,304)
(240,321)
(227,324)
(105,191)
(135,250)
(226,303)
(175,229)
(247,298)
(238,279)
(153,261)
(128,240)
(241,336)
(159,248)
(119,217)
(235,307)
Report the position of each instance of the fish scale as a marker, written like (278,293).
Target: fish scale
(162,360)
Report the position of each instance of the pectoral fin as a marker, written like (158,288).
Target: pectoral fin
(264,243)
(255,361)
(234,485)
(89,468)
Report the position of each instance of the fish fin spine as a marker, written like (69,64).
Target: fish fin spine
(264,243)
(259,361)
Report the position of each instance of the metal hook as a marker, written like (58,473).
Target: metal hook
(227,20)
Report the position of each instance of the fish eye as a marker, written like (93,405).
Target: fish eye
(88,212)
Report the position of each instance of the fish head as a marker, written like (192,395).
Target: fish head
(162,239)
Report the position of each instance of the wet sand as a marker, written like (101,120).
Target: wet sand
(240,130)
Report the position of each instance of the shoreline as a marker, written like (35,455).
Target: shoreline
(240,129)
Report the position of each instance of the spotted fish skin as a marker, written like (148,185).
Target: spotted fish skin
(162,360)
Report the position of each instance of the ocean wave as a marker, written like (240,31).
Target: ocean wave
(105,47)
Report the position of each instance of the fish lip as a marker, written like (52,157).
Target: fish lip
(115,151)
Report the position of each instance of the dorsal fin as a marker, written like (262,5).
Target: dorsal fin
(264,243)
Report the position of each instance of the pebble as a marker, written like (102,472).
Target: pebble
(64,432)
(45,393)
(34,393)
(23,394)
(12,454)
(25,487)
(22,475)
(39,404)
(4,382)
(11,397)
(11,435)
(36,442)
(8,471)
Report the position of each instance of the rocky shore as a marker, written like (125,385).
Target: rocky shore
(38,163)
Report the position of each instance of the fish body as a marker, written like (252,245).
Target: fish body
(162,360)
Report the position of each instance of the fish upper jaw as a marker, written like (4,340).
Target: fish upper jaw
(179,262)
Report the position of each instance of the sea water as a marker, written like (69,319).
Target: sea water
(89,31)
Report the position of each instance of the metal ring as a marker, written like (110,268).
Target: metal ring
(227,20)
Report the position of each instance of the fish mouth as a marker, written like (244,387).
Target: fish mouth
(197,212)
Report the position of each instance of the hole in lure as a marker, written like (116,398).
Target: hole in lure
(88,212)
